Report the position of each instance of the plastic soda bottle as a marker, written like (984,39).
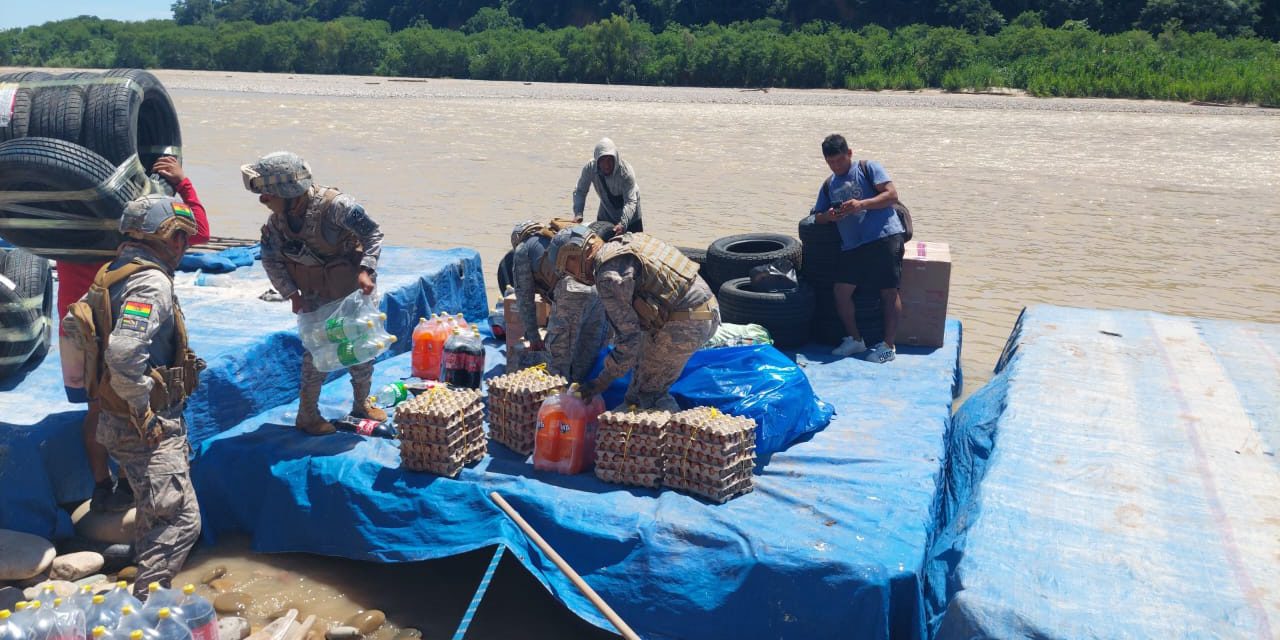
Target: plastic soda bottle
(119,597)
(47,596)
(70,620)
(132,622)
(22,615)
(159,598)
(100,613)
(391,395)
(168,627)
(566,435)
(83,598)
(9,630)
(546,443)
(199,616)
(43,624)
(422,350)
(365,427)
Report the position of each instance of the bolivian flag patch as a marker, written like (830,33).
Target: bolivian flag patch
(180,209)
(137,309)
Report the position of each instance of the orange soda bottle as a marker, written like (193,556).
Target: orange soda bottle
(421,349)
(546,444)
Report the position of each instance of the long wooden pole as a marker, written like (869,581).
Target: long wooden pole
(567,570)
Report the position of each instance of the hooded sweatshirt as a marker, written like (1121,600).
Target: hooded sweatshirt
(619,195)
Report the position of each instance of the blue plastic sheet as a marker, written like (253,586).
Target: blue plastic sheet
(831,543)
(223,261)
(758,382)
(1119,478)
(253,353)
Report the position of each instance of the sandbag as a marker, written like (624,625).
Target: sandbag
(758,382)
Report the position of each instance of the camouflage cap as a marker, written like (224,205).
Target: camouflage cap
(282,173)
(157,216)
(571,242)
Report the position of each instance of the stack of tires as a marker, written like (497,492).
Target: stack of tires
(74,149)
(821,260)
(727,267)
(26,309)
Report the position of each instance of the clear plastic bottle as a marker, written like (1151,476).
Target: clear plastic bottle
(340,329)
(346,354)
(83,598)
(460,322)
(46,596)
(101,614)
(132,622)
(169,626)
(70,620)
(198,615)
(22,614)
(159,598)
(44,622)
(119,597)
(9,630)
(391,395)
(100,633)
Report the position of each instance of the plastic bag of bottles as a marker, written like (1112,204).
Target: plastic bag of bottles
(566,438)
(345,332)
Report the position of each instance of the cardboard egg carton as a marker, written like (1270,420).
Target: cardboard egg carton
(636,445)
(628,476)
(441,431)
(630,447)
(514,401)
(709,453)
(718,494)
(635,423)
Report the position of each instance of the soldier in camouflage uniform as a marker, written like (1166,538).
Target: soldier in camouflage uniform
(141,372)
(576,328)
(660,309)
(318,246)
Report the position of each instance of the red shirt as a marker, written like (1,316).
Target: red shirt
(75,278)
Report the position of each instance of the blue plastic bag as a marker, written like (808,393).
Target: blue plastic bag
(755,381)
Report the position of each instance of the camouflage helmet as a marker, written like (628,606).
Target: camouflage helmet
(523,231)
(157,216)
(281,173)
(576,241)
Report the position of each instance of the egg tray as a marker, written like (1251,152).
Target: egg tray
(459,428)
(642,423)
(635,446)
(712,474)
(706,424)
(518,441)
(625,476)
(719,494)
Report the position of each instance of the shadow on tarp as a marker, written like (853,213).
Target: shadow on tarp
(830,544)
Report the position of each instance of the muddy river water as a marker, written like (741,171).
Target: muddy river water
(1073,202)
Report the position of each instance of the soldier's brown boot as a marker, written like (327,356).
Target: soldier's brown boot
(309,419)
(364,407)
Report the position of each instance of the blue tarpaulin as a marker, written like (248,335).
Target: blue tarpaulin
(1118,478)
(252,349)
(831,544)
(223,261)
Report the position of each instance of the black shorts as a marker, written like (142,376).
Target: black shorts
(877,264)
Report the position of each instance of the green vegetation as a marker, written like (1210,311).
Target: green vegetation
(1070,60)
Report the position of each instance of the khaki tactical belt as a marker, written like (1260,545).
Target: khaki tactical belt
(705,311)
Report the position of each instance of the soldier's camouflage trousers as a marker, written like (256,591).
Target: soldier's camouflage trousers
(577,330)
(168,516)
(662,359)
(313,380)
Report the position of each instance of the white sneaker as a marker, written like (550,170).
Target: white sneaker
(880,353)
(848,347)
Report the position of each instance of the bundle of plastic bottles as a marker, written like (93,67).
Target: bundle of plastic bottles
(345,332)
(448,349)
(566,438)
(115,615)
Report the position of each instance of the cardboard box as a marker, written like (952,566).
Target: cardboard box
(926,282)
(511,317)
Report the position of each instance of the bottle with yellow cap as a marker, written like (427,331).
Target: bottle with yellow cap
(46,596)
(198,614)
(131,621)
(159,598)
(119,597)
(9,629)
(83,598)
(44,622)
(70,620)
(100,613)
(170,627)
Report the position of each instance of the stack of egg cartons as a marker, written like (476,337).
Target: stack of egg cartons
(514,400)
(709,453)
(630,445)
(442,430)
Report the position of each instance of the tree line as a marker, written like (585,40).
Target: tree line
(1071,59)
(1224,17)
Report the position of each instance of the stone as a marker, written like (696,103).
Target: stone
(91,580)
(112,528)
(117,556)
(367,621)
(315,634)
(213,574)
(408,633)
(23,556)
(222,585)
(233,628)
(32,581)
(10,596)
(61,589)
(74,566)
(342,633)
(232,603)
(128,574)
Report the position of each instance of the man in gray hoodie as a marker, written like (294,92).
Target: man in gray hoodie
(615,183)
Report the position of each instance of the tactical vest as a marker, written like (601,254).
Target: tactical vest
(664,277)
(95,320)
(333,272)
(545,277)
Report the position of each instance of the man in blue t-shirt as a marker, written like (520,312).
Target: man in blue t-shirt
(860,204)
